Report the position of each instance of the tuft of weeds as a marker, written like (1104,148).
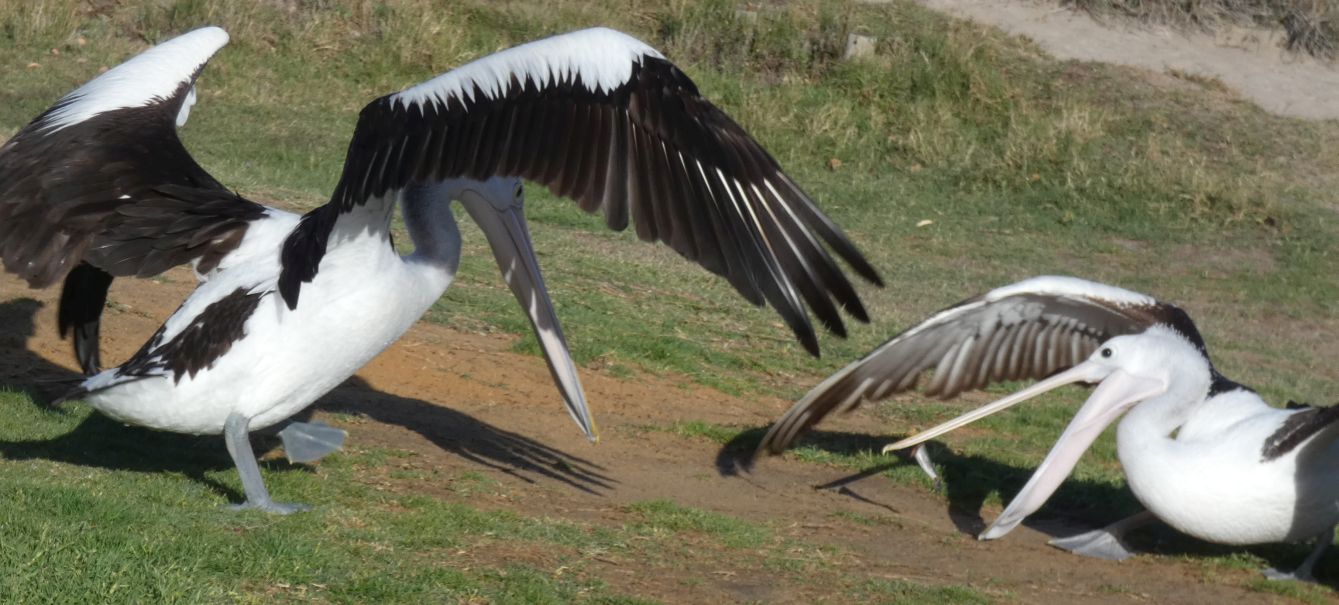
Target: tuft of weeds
(770,40)
(1311,26)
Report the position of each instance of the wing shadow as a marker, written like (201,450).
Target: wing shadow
(21,370)
(98,441)
(474,440)
(967,481)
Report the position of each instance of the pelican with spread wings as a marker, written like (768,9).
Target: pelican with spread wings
(99,186)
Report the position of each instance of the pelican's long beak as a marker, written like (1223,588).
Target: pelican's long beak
(1118,392)
(1084,372)
(509,237)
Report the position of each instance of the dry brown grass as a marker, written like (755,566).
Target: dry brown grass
(1310,26)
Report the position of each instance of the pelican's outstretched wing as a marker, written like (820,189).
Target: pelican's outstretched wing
(101,179)
(1027,330)
(604,119)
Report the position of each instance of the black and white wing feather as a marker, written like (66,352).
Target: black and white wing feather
(1028,330)
(1304,424)
(186,344)
(600,117)
(101,176)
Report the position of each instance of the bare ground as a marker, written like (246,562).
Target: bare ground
(1248,61)
(463,406)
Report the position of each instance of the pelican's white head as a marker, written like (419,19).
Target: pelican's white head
(1158,353)
(504,192)
(1159,366)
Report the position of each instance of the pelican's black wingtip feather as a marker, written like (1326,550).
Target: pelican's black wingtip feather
(810,342)
(871,275)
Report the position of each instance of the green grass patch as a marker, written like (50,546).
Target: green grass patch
(706,430)
(898,592)
(666,516)
(1299,591)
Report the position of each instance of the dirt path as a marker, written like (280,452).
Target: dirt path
(1249,61)
(463,404)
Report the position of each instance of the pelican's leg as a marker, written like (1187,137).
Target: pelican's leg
(1303,571)
(1106,543)
(235,435)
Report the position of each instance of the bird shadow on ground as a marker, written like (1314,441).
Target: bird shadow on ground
(22,371)
(968,481)
(98,441)
(472,439)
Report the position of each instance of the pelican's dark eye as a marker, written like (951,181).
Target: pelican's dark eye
(520,189)
(1106,352)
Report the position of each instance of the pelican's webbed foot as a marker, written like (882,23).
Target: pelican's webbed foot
(1303,571)
(270,506)
(239,446)
(1099,544)
(1297,575)
(1106,543)
(310,441)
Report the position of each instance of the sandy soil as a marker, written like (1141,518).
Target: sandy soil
(1248,61)
(463,403)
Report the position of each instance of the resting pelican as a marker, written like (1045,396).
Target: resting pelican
(289,306)
(1204,454)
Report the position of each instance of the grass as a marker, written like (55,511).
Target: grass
(896,592)
(57,517)
(663,515)
(1022,164)
(84,493)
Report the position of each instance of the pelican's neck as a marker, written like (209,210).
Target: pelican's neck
(436,237)
(1152,423)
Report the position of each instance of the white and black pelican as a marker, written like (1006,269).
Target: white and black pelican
(289,306)
(1202,453)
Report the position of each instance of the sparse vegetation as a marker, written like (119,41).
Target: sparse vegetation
(665,516)
(1310,26)
(896,592)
